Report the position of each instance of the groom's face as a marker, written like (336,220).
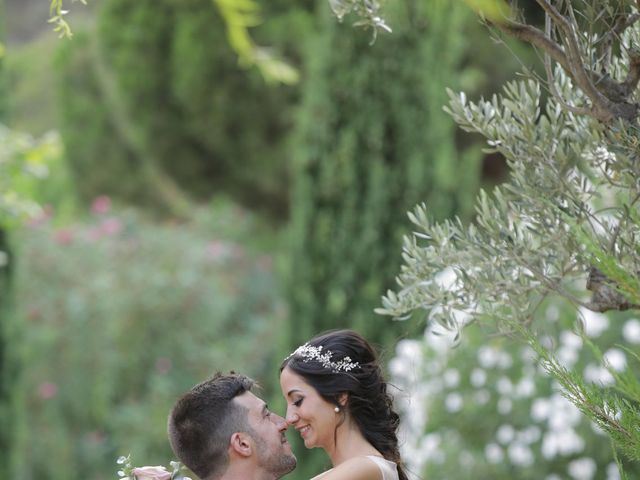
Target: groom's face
(273,451)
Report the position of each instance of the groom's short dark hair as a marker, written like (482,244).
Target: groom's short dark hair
(202,421)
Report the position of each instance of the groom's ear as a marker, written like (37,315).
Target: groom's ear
(241,444)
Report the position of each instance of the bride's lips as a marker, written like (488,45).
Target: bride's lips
(303,430)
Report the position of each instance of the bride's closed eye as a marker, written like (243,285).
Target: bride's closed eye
(298,402)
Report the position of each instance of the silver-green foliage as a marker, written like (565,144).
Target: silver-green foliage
(566,222)
(367,10)
(568,214)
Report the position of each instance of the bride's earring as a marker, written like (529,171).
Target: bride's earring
(336,409)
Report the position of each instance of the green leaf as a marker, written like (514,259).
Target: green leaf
(497,11)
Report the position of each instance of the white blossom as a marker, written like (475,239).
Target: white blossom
(540,409)
(631,331)
(616,358)
(446,278)
(594,323)
(566,442)
(451,378)
(613,473)
(598,374)
(454,402)
(504,406)
(505,434)
(571,340)
(552,313)
(478,377)
(481,397)
(493,453)
(529,435)
(525,387)
(520,454)
(582,468)
(504,386)
(488,357)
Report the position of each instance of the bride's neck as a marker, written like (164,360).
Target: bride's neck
(350,443)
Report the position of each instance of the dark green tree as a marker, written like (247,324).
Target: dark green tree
(3,84)
(182,111)
(372,141)
(9,367)
(7,373)
(83,102)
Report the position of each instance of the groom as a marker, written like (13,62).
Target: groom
(222,431)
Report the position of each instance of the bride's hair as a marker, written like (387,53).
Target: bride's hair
(369,403)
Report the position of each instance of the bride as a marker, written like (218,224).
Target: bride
(337,400)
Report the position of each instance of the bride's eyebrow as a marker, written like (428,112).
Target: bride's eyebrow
(293,390)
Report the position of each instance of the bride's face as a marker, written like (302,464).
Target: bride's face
(311,415)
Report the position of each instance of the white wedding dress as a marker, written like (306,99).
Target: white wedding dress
(388,468)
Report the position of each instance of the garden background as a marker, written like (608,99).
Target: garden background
(177,209)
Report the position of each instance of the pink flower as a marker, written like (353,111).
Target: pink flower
(41,217)
(265,263)
(101,205)
(96,437)
(217,249)
(111,226)
(47,390)
(33,313)
(151,473)
(163,365)
(94,234)
(64,236)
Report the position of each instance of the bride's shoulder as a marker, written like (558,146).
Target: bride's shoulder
(357,468)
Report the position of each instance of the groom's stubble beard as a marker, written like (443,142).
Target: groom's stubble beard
(278,462)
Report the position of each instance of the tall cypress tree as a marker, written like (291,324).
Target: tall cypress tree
(373,141)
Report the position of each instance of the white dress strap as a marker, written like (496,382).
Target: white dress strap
(388,468)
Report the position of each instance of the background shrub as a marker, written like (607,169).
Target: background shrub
(121,316)
(487,409)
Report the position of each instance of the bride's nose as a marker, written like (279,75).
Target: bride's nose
(292,418)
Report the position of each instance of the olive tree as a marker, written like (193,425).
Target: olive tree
(566,224)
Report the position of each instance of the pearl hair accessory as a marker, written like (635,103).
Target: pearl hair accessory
(309,352)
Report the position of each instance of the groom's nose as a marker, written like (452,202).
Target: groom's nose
(280,422)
